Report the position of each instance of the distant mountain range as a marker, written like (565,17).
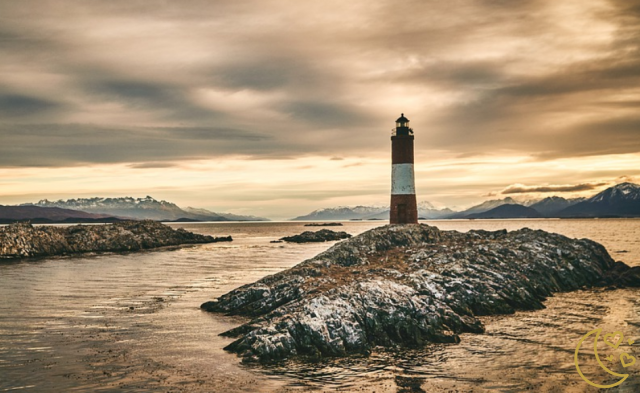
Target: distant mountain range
(551,206)
(508,211)
(622,200)
(483,207)
(343,213)
(547,207)
(425,210)
(140,208)
(227,216)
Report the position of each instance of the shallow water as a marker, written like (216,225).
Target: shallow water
(132,323)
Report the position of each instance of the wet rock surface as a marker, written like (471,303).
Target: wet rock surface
(324,224)
(23,240)
(323,235)
(406,286)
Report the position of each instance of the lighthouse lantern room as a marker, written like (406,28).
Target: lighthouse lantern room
(404,209)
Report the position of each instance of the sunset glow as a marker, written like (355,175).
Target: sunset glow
(278,108)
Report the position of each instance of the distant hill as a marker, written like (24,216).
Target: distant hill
(342,213)
(508,211)
(622,200)
(35,214)
(551,206)
(483,207)
(425,210)
(138,208)
(228,216)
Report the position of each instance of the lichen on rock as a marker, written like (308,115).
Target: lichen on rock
(405,286)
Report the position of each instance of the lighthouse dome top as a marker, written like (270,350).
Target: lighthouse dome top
(402,119)
(402,123)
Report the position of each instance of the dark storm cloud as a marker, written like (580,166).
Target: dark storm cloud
(522,189)
(452,74)
(275,78)
(266,71)
(326,114)
(70,144)
(169,102)
(519,115)
(18,105)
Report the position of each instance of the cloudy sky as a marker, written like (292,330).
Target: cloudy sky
(277,107)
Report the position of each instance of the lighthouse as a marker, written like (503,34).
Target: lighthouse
(404,209)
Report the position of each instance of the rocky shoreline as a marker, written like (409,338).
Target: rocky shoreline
(23,240)
(406,286)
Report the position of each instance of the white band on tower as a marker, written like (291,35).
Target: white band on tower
(402,179)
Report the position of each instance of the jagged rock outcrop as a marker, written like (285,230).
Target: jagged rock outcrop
(323,235)
(24,240)
(404,286)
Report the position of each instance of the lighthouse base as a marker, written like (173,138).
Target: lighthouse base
(404,209)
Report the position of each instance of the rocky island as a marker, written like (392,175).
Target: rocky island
(406,286)
(23,240)
(323,235)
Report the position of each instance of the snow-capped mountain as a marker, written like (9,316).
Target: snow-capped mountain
(146,208)
(138,208)
(622,200)
(425,210)
(622,192)
(343,213)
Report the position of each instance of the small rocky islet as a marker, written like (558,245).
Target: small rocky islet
(323,235)
(23,240)
(408,285)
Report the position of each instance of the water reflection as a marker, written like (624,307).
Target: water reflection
(131,323)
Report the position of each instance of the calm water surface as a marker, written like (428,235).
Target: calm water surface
(112,323)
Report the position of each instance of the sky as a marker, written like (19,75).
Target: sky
(277,108)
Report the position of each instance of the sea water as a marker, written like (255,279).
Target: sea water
(131,322)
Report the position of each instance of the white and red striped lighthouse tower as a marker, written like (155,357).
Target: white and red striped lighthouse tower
(404,209)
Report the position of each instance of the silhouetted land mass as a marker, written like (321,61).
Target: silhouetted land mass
(551,206)
(71,220)
(47,215)
(508,211)
(406,286)
(184,220)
